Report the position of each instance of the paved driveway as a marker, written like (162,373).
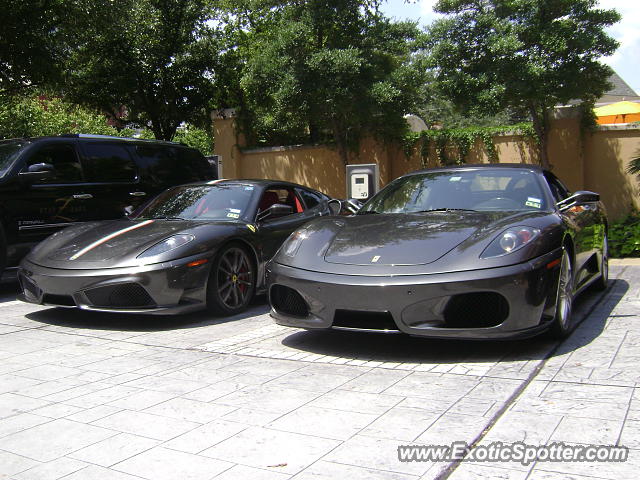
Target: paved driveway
(93,396)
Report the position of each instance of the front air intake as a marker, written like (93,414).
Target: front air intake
(362,320)
(287,301)
(476,310)
(124,295)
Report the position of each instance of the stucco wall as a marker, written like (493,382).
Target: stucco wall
(584,161)
(608,151)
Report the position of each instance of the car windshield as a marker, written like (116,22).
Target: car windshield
(200,202)
(8,152)
(474,189)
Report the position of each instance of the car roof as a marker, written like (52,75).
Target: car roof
(85,136)
(258,182)
(481,166)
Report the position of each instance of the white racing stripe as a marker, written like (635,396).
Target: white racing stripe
(93,245)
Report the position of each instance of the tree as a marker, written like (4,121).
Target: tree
(525,55)
(334,68)
(156,58)
(31,44)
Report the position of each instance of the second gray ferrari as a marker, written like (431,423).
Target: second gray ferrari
(194,246)
(475,252)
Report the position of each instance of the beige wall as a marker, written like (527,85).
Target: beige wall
(584,161)
(607,155)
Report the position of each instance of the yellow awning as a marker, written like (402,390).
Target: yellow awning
(618,108)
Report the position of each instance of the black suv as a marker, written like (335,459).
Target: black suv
(47,183)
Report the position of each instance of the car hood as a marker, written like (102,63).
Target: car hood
(108,244)
(416,243)
(402,239)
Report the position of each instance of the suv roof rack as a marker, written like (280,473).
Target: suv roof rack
(113,137)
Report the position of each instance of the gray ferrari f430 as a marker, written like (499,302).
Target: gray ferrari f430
(476,251)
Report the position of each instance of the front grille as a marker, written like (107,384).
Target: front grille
(124,295)
(61,300)
(476,310)
(287,301)
(364,320)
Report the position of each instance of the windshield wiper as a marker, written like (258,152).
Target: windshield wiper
(367,212)
(165,218)
(446,210)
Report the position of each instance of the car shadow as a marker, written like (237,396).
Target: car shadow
(592,306)
(74,317)
(9,287)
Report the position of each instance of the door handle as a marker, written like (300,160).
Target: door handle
(138,194)
(82,196)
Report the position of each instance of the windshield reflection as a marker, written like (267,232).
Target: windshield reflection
(200,202)
(475,190)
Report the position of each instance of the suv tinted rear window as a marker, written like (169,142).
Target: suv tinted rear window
(175,165)
(106,162)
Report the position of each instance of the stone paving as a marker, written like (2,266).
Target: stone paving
(94,396)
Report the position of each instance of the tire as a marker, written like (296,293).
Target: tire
(603,280)
(563,323)
(232,281)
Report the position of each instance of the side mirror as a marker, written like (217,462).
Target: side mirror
(40,167)
(353,205)
(335,206)
(274,211)
(578,198)
(37,171)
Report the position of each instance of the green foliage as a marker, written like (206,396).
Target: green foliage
(329,70)
(523,55)
(199,138)
(156,58)
(463,140)
(624,237)
(34,117)
(31,44)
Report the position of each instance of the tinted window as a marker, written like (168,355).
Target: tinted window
(310,199)
(558,190)
(172,165)
(65,162)
(108,163)
(482,189)
(202,202)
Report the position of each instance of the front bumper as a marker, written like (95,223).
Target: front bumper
(163,288)
(421,304)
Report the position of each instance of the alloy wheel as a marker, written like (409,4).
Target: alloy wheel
(565,293)
(235,278)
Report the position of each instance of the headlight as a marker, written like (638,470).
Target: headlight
(292,245)
(509,241)
(167,245)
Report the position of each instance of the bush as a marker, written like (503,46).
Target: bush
(624,237)
(195,137)
(35,117)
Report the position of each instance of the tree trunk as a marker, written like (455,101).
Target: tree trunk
(163,130)
(539,117)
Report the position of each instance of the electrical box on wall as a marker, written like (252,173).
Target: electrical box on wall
(362,181)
